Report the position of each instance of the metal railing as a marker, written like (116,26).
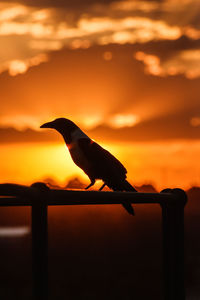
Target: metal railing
(39,197)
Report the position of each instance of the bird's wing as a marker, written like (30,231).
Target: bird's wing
(103,163)
(106,167)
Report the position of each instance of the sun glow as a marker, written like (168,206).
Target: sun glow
(33,162)
(120,120)
(159,163)
(91,121)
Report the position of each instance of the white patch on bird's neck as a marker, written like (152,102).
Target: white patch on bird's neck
(78,134)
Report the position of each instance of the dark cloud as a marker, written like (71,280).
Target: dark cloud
(12,135)
(59,3)
(166,49)
(175,126)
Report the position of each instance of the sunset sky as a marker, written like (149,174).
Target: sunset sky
(127,72)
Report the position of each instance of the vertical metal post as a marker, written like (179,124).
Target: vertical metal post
(39,248)
(173,245)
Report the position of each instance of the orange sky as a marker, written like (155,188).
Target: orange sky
(126,71)
(167,164)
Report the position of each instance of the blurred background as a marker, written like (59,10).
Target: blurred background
(128,73)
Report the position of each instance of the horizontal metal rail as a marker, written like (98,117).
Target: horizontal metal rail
(39,197)
(74,197)
(56,197)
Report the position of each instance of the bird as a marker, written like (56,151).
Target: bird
(94,160)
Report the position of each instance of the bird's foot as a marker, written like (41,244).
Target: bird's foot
(101,188)
(91,184)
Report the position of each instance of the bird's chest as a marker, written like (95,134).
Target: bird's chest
(78,155)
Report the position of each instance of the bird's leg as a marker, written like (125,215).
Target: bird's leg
(101,188)
(91,184)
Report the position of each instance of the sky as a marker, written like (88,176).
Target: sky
(127,72)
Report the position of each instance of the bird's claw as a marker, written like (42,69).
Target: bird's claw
(101,188)
(91,184)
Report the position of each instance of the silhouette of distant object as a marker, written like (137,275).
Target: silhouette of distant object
(75,183)
(94,160)
(146,188)
(51,183)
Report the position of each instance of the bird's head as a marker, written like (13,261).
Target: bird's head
(60,124)
(67,128)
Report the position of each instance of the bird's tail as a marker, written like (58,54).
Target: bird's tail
(124,186)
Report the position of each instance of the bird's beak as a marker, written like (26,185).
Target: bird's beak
(47,125)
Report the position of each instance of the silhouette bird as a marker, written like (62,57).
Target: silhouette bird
(94,160)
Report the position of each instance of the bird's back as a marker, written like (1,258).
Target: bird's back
(103,165)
